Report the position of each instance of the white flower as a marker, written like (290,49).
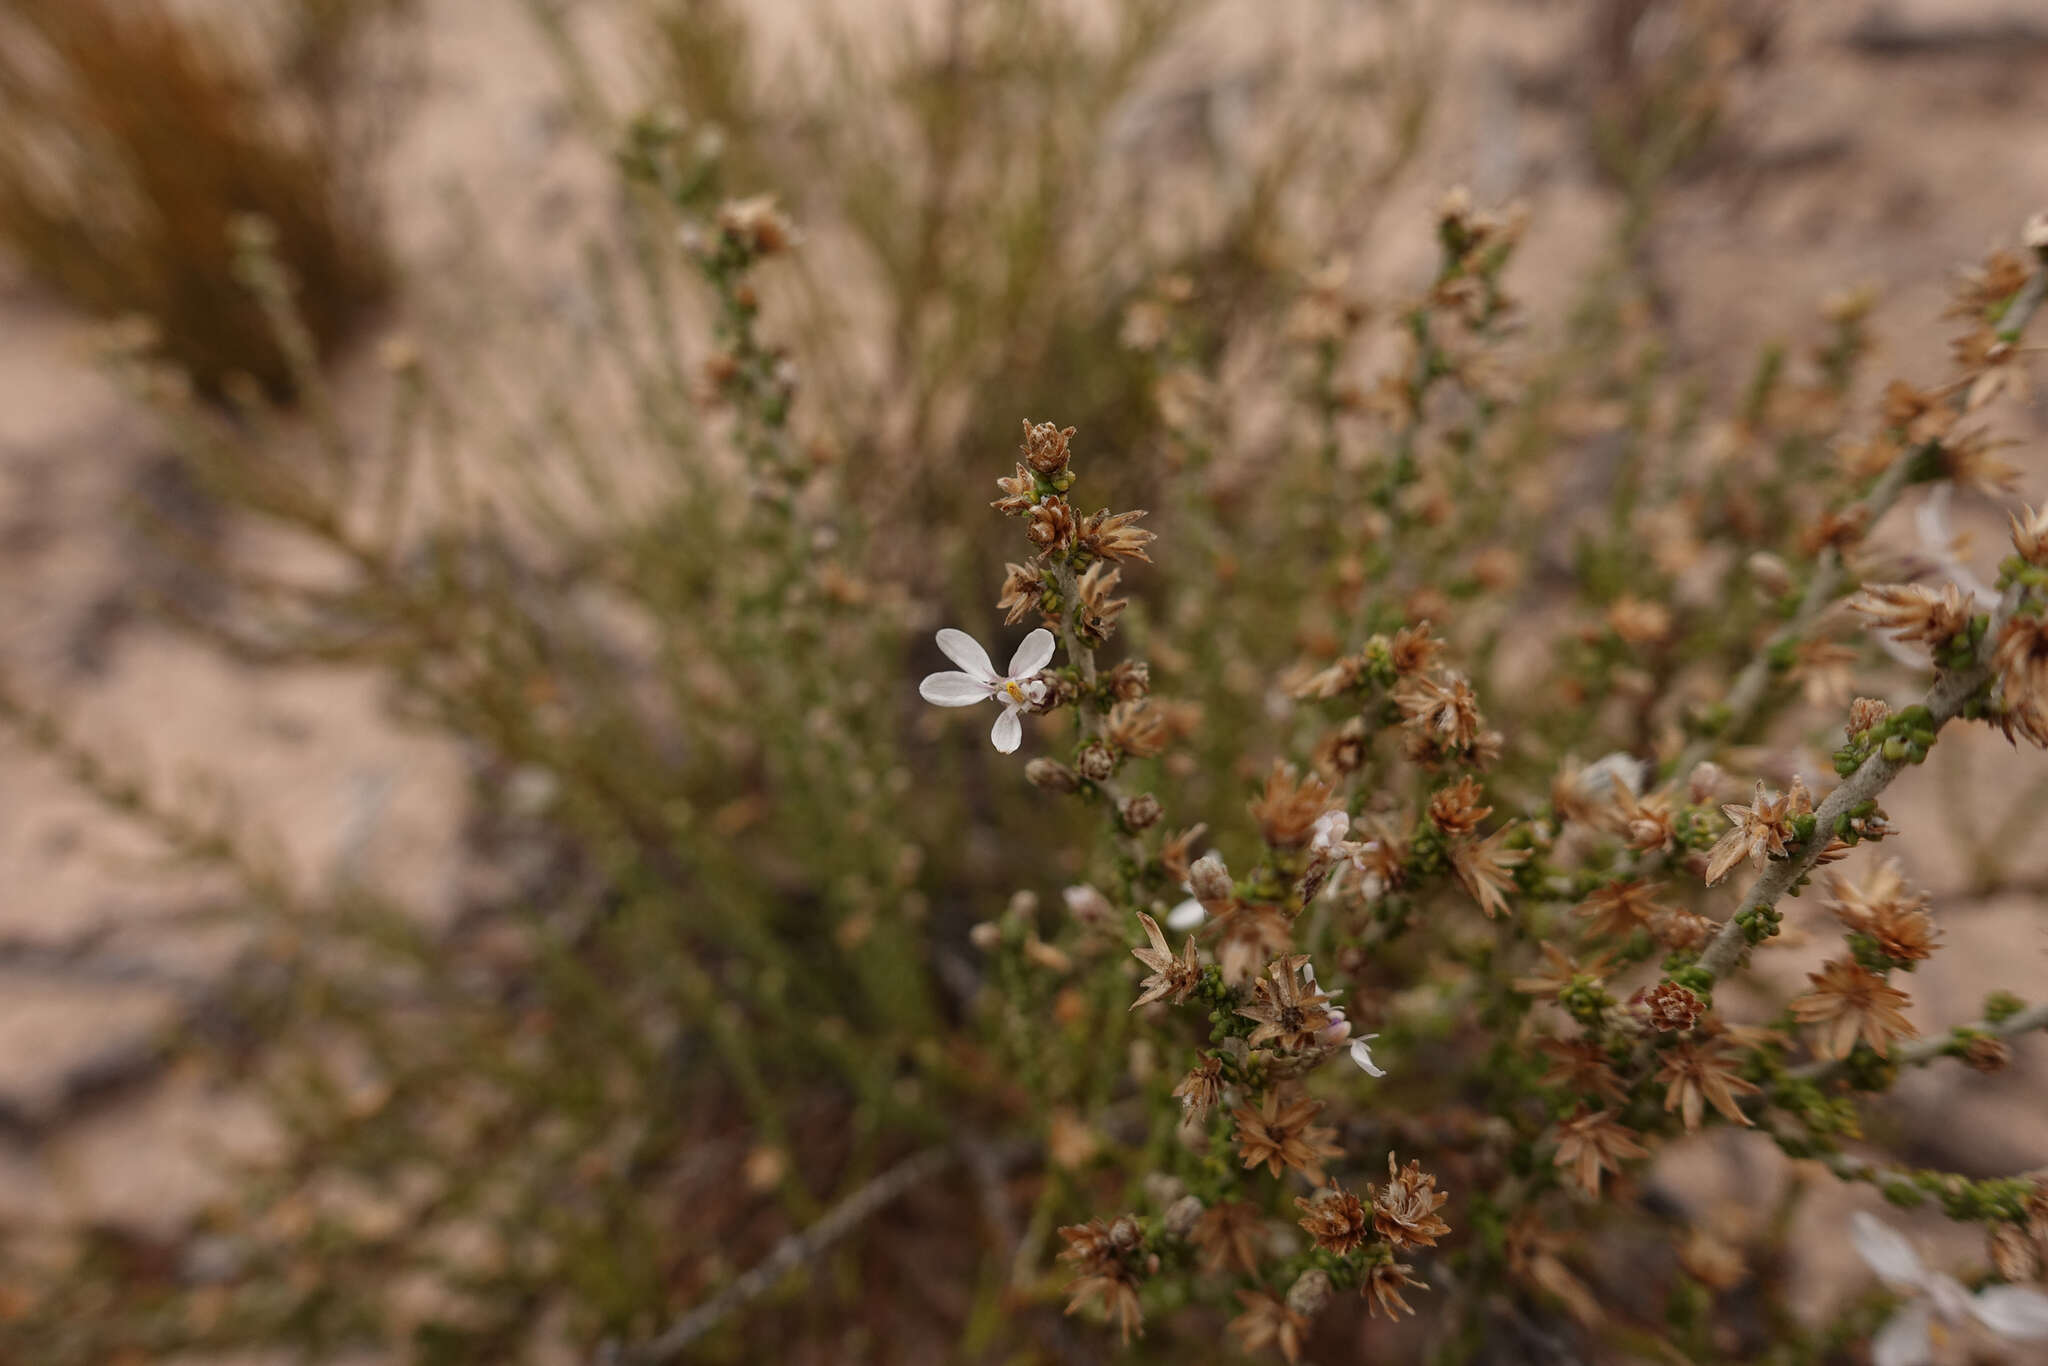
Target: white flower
(1186,916)
(1330,828)
(977,681)
(2015,1313)
(1362,1055)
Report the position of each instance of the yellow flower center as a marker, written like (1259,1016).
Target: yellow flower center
(1014,689)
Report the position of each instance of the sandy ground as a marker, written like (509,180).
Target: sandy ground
(1887,143)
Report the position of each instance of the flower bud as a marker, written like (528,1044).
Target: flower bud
(1772,577)
(1045,448)
(1088,905)
(1096,762)
(1987,1055)
(1704,781)
(986,936)
(1182,1216)
(1309,1293)
(1140,812)
(1050,775)
(1210,882)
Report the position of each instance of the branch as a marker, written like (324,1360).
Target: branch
(1927,1050)
(789,1254)
(1951,692)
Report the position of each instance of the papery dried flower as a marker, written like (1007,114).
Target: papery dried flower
(1696,1075)
(1129,681)
(1137,728)
(2030,535)
(1443,715)
(1172,978)
(1404,1210)
(1114,536)
(1758,831)
(1174,852)
(1966,457)
(1647,823)
(1582,1066)
(1414,650)
(1621,908)
(1865,715)
(2021,663)
(1289,806)
(1096,762)
(1681,931)
(1382,1285)
(1020,493)
(1141,812)
(1045,448)
(1985,1054)
(2013,1255)
(1910,611)
(1248,938)
(1199,1089)
(1279,1135)
(1979,289)
(1849,1002)
(1051,526)
(1266,1322)
(1838,529)
(1288,1011)
(1230,1234)
(1919,415)
(1561,971)
(1339,676)
(757,225)
(1102,1256)
(1885,908)
(1024,590)
(1096,620)
(1593,1142)
(1345,750)
(1459,808)
(1639,621)
(1051,775)
(1335,1218)
(978,681)
(1668,1007)
(1485,868)
(1209,880)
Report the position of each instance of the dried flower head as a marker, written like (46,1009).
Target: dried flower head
(1382,1285)
(1230,1234)
(1288,1011)
(1486,869)
(1593,1142)
(1758,831)
(1289,806)
(1096,620)
(1696,1075)
(1459,808)
(1268,1322)
(1138,728)
(1114,535)
(1668,1007)
(1247,938)
(1279,1135)
(1849,1002)
(2021,663)
(1345,750)
(1335,1218)
(1911,611)
(1045,448)
(1103,1257)
(1885,908)
(1404,1210)
(1024,590)
(757,225)
(1051,524)
(1621,908)
(1583,1067)
(1172,978)
(1200,1089)
(1866,714)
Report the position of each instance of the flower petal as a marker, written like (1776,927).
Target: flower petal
(1008,732)
(950,689)
(1186,916)
(965,651)
(2014,1312)
(1033,654)
(1885,1250)
(1904,1341)
(1362,1055)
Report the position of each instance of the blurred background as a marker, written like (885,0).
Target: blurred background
(413,945)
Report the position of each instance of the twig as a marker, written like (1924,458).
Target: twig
(1927,1050)
(788,1254)
(1951,692)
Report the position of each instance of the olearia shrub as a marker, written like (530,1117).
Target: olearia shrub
(1408,743)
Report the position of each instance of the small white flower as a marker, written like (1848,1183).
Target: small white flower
(1186,916)
(2015,1313)
(1330,828)
(1362,1055)
(977,681)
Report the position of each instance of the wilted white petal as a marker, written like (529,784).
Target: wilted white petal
(1885,1250)
(1362,1055)
(1034,654)
(1330,827)
(950,689)
(2014,1312)
(1951,1302)
(965,651)
(1186,916)
(1008,732)
(1904,1341)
